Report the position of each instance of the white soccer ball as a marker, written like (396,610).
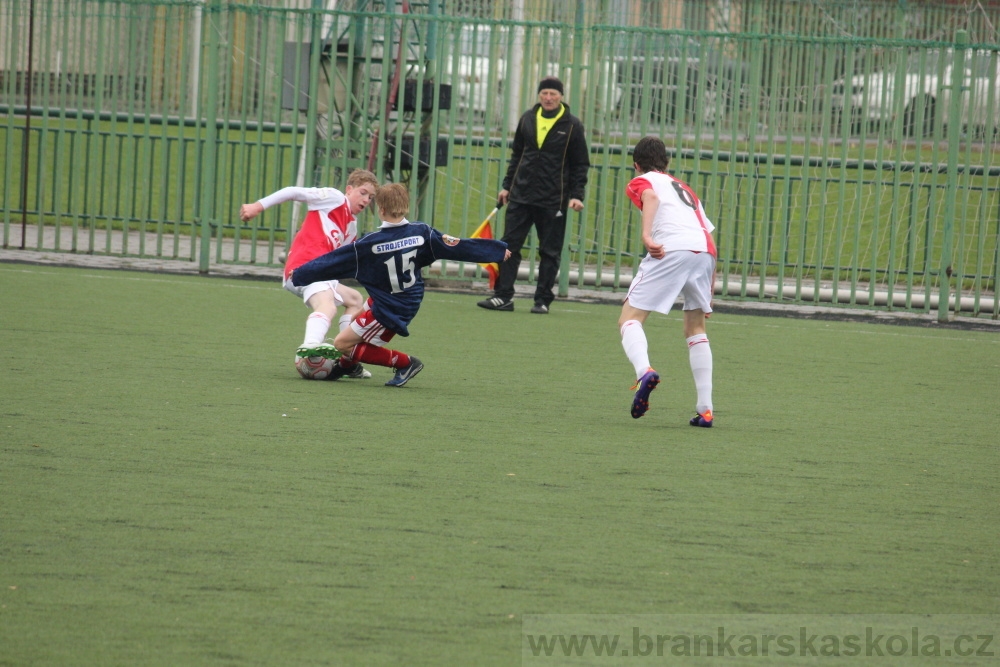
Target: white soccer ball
(314,368)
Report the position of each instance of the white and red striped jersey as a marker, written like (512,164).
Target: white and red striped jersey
(328,224)
(680,222)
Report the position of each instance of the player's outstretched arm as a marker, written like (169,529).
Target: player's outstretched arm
(292,193)
(468,250)
(250,211)
(334,265)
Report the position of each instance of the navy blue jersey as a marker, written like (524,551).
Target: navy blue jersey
(388,261)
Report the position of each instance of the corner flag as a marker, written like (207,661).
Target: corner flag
(485,231)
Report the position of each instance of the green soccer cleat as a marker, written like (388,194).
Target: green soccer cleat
(324,350)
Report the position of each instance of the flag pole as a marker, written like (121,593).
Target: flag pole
(483,231)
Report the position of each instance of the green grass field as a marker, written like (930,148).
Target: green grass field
(174,494)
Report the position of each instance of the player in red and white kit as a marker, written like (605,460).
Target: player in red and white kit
(331,222)
(681,261)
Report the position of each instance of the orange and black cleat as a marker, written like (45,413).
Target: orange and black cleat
(703,419)
(643,387)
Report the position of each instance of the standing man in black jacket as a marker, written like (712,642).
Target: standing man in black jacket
(546,175)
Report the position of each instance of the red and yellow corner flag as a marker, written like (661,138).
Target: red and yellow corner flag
(485,231)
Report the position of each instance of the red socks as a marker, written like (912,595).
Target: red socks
(379,356)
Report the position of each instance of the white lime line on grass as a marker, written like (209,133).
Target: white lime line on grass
(110,274)
(882,329)
(779,322)
(237,283)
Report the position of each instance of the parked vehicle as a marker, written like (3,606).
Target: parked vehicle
(649,77)
(922,100)
(707,83)
(480,82)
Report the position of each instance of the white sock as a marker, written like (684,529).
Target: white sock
(317,325)
(635,346)
(700,355)
(344,321)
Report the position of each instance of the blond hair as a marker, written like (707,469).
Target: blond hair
(393,200)
(359,177)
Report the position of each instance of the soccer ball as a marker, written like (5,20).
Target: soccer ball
(314,368)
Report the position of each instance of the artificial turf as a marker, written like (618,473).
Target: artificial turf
(172,493)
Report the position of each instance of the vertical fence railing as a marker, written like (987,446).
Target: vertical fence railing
(956,84)
(843,170)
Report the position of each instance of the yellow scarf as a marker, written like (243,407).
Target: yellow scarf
(545,124)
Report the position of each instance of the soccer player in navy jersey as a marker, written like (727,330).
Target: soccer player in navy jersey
(681,262)
(387,263)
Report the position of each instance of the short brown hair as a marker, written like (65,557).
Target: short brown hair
(359,177)
(392,200)
(650,154)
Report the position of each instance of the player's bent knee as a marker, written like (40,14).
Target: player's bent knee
(352,299)
(344,345)
(624,323)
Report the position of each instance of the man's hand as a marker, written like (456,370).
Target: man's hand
(503,196)
(506,255)
(250,211)
(656,250)
(576,205)
(711,302)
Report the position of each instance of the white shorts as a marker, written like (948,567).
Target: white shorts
(680,273)
(307,291)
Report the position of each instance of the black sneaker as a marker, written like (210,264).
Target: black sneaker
(404,374)
(358,372)
(339,371)
(496,303)
(540,308)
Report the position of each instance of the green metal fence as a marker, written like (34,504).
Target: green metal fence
(838,169)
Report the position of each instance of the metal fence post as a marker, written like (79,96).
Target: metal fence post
(209,142)
(315,58)
(954,131)
(576,96)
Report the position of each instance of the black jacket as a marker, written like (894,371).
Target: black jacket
(555,173)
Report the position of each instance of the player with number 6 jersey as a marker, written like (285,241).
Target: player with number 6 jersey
(679,222)
(681,263)
(388,265)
